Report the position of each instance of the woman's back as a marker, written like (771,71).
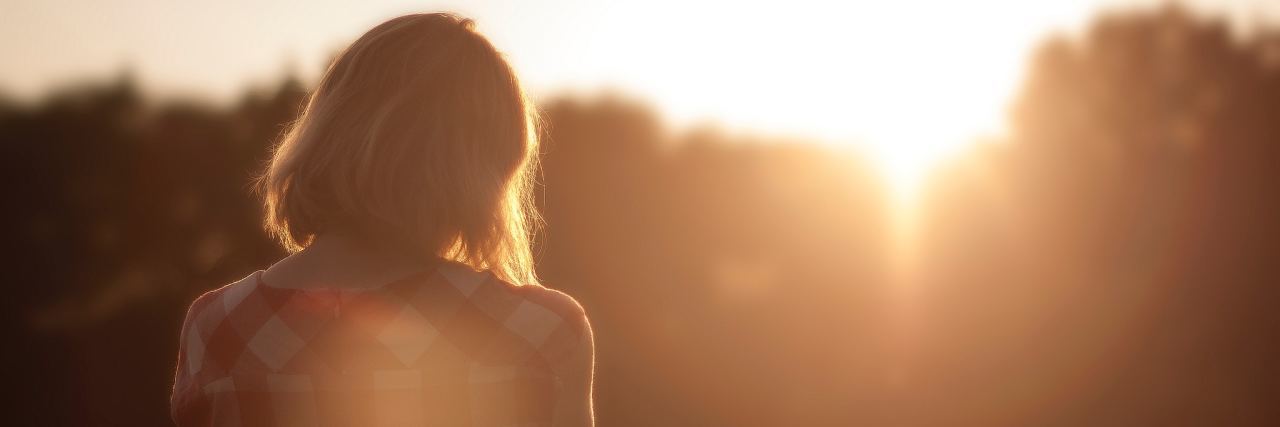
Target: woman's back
(444,346)
(416,152)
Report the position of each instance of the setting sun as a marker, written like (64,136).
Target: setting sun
(908,83)
(906,86)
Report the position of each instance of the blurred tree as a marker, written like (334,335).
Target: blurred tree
(1123,242)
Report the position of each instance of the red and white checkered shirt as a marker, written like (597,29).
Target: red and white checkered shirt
(447,346)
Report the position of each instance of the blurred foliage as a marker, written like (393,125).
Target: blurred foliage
(1114,262)
(1111,263)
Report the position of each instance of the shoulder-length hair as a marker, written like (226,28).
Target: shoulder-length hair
(419,135)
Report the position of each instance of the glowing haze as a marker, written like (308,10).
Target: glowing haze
(908,81)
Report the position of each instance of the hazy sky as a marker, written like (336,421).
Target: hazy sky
(692,58)
(911,79)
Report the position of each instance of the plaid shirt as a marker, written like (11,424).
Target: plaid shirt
(447,346)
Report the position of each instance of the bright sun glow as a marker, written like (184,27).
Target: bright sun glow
(909,82)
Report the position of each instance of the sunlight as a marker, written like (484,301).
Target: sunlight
(908,83)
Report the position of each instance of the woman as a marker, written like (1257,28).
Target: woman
(403,191)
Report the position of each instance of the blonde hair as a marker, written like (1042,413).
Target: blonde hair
(420,135)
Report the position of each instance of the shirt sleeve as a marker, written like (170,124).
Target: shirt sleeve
(186,396)
(571,340)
